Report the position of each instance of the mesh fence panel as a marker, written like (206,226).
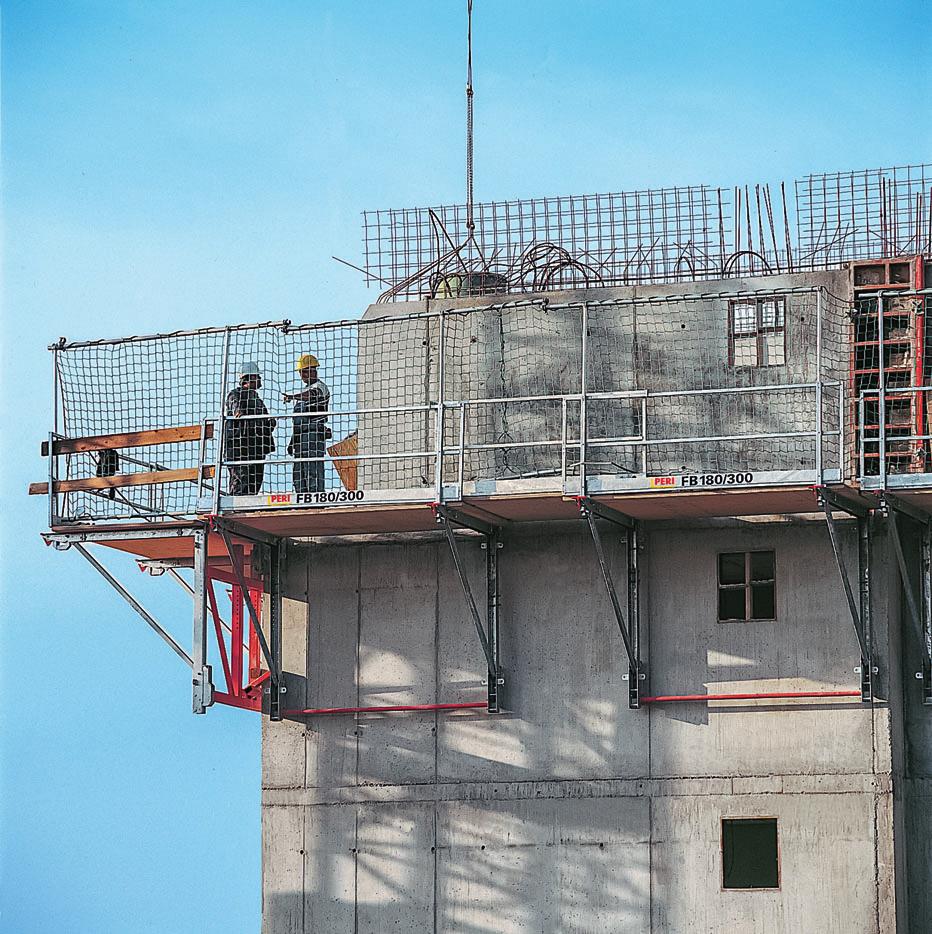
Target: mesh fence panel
(891,366)
(138,385)
(677,384)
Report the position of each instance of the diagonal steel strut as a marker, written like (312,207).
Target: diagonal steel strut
(131,600)
(905,577)
(253,615)
(467,591)
(921,619)
(589,515)
(856,620)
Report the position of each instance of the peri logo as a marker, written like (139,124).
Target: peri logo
(278,498)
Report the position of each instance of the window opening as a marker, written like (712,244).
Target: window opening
(757,332)
(750,853)
(746,586)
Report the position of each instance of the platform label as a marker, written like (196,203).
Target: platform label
(325,498)
(696,481)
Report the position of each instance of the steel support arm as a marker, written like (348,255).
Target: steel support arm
(629,628)
(488,638)
(920,617)
(165,636)
(859,608)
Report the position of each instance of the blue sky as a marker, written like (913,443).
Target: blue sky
(174,165)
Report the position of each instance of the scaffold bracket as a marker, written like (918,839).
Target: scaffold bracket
(488,634)
(630,627)
(919,613)
(153,624)
(859,608)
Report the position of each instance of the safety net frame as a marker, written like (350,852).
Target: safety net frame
(620,393)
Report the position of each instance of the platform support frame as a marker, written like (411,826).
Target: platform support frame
(919,611)
(629,626)
(860,607)
(488,633)
(271,646)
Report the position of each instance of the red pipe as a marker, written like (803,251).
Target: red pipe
(773,695)
(384,709)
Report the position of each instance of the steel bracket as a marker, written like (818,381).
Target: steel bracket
(860,608)
(272,646)
(488,634)
(629,628)
(920,613)
(153,624)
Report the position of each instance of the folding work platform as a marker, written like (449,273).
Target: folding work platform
(246,552)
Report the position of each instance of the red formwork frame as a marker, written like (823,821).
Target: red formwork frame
(247,695)
(243,688)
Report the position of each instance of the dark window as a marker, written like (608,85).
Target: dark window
(746,586)
(757,331)
(750,855)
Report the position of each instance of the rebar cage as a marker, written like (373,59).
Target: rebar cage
(617,393)
(673,234)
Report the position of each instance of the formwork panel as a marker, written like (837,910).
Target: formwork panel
(329,897)
(395,869)
(810,646)
(566,703)
(284,757)
(283,870)
(506,867)
(397,661)
(333,643)
(828,876)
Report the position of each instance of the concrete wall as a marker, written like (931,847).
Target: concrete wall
(570,812)
(535,351)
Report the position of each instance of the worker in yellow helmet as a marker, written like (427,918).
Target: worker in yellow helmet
(308,440)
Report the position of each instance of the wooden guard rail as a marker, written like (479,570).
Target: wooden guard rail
(114,442)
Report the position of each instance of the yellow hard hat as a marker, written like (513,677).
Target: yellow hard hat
(306,360)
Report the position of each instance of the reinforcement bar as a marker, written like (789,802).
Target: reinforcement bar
(385,708)
(768,695)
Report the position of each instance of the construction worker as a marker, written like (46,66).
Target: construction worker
(244,438)
(310,428)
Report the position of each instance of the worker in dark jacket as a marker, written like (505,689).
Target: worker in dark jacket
(247,437)
(310,426)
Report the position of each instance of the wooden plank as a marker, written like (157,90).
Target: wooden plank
(121,479)
(131,439)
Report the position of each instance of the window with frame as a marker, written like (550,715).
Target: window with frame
(747,584)
(757,331)
(750,853)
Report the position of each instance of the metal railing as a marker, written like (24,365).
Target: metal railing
(895,437)
(572,451)
(619,394)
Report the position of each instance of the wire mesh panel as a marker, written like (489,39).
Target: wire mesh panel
(133,386)
(670,234)
(532,393)
(672,379)
(527,357)
(873,212)
(891,376)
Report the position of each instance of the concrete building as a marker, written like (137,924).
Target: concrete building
(617,615)
(570,811)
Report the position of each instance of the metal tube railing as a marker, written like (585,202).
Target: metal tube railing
(651,429)
(879,436)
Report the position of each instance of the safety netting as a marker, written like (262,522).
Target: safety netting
(526,391)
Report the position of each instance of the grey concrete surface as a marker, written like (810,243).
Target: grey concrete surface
(570,812)
(653,346)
